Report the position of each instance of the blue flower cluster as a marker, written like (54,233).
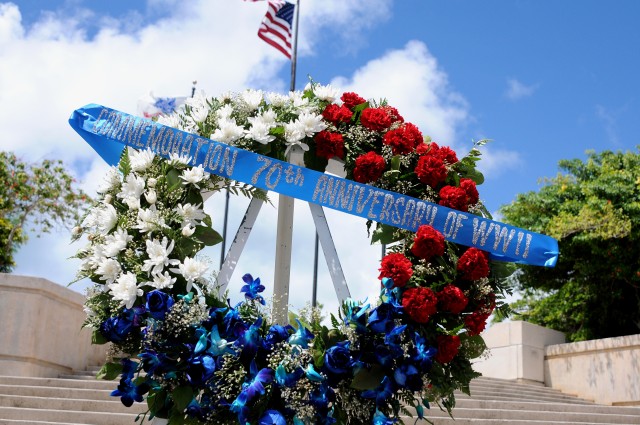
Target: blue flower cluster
(237,368)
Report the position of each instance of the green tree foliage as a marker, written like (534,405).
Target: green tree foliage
(40,195)
(593,209)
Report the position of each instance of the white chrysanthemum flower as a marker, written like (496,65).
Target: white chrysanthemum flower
(294,134)
(194,175)
(107,218)
(109,270)
(224,97)
(188,230)
(177,159)
(297,99)
(268,117)
(192,270)
(140,160)
(199,106)
(97,256)
(131,190)
(162,281)
(116,242)
(326,93)
(92,219)
(149,219)
(278,100)
(312,123)
(227,132)
(224,112)
(171,120)
(111,180)
(158,252)
(133,203)
(259,131)
(190,214)
(151,196)
(252,98)
(125,289)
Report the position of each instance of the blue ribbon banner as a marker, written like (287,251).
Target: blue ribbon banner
(107,130)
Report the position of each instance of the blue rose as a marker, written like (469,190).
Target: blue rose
(158,304)
(338,360)
(276,334)
(272,417)
(116,329)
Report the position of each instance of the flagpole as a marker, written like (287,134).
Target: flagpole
(284,236)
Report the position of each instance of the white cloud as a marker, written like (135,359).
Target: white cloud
(496,162)
(517,90)
(609,120)
(412,81)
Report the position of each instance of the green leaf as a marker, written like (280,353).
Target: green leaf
(368,379)
(473,346)
(109,371)
(313,161)
(182,396)
(173,179)
(97,338)
(125,163)
(207,235)
(384,234)
(395,162)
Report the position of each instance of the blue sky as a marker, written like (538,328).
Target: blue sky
(545,80)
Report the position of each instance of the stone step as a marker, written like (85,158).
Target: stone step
(506,397)
(57,382)
(44,391)
(21,422)
(449,421)
(510,387)
(537,415)
(57,403)
(470,403)
(66,416)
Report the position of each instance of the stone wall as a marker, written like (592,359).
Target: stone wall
(604,370)
(41,329)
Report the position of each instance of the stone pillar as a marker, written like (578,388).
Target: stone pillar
(41,331)
(517,351)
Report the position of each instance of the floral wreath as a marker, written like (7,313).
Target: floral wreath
(206,361)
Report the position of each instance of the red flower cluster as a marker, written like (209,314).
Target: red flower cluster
(443,153)
(476,322)
(431,170)
(419,303)
(428,243)
(452,299)
(397,267)
(473,264)
(469,187)
(453,197)
(448,346)
(404,139)
(393,113)
(329,144)
(369,167)
(351,100)
(337,114)
(376,119)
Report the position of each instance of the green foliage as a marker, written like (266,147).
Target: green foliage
(41,195)
(593,209)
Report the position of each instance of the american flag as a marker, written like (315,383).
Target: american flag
(276,25)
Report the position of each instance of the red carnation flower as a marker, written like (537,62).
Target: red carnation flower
(404,139)
(329,144)
(469,187)
(336,114)
(473,264)
(351,100)
(452,299)
(393,113)
(369,167)
(448,346)
(428,243)
(375,119)
(453,197)
(476,322)
(443,153)
(397,267)
(431,170)
(419,303)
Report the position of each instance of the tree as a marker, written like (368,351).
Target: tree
(593,209)
(38,194)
